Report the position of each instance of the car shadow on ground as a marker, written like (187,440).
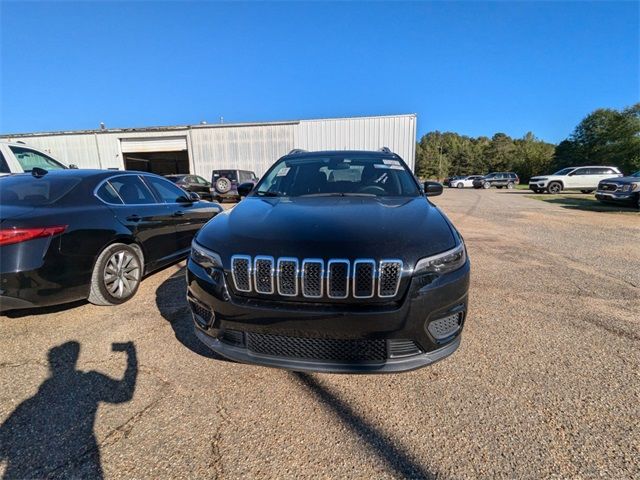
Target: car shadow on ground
(26,312)
(51,434)
(393,455)
(171,300)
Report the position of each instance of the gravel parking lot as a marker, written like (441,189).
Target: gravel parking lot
(546,382)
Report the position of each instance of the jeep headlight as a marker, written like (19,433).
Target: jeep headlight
(204,257)
(444,262)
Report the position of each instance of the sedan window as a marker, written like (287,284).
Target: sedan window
(165,190)
(132,190)
(25,190)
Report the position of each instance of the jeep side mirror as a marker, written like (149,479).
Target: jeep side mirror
(432,189)
(244,189)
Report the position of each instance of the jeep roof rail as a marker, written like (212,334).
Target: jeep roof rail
(296,150)
(385,150)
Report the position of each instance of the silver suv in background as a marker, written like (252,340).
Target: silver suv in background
(20,158)
(584,178)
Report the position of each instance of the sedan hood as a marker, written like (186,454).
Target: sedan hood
(330,227)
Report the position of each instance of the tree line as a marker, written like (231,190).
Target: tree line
(604,137)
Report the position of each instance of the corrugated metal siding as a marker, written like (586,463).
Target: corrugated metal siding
(250,147)
(367,133)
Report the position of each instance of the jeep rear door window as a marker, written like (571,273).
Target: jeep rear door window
(30,159)
(336,175)
(230,174)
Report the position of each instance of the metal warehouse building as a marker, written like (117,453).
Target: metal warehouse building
(200,149)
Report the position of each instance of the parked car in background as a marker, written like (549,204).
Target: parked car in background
(193,183)
(336,262)
(621,189)
(497,179)
(224,183)
(68,235)
(462,182)
(20,158)
(585,179)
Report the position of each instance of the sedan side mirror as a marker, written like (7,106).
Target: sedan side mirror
(432,189)
(244,189)
(192,197)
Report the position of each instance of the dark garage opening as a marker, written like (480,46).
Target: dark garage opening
(162,163)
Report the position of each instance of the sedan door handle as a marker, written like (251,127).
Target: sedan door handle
(179,213)
(134,218)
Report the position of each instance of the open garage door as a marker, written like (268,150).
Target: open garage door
(164,156)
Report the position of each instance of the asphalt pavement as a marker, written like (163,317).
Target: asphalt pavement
(546,382)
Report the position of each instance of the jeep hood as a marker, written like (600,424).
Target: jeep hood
(408,228)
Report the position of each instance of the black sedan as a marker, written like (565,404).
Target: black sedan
(193,183)
(90,234)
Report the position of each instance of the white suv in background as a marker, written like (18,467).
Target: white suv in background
(585,179)
(19,158)
(462,182)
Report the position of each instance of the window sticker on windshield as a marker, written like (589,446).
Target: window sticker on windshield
(378,165)
(391,162)
(396,167)
(283,172)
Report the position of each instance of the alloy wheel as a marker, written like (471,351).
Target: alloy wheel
(121,274)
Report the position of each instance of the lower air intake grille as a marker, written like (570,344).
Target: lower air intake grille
(337,350)
(445,327)
(202,314)
(402,348)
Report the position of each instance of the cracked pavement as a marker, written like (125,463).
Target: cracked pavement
(545,383)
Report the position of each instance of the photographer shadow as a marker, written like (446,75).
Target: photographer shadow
(52,433)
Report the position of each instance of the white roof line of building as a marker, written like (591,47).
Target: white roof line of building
(187,127)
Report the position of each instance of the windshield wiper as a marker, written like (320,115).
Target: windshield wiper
(269,194)
(337,194)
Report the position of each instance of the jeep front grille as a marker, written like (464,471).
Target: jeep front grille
(608,187)
(316,278)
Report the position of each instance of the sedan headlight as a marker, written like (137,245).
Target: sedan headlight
(444,262)
(204,257)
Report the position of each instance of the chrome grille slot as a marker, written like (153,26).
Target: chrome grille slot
(335,278)
(263,274)
(338,279)
(609,187)
(312,277)
(287,274)
(241,272)
(389,278)
(364,272)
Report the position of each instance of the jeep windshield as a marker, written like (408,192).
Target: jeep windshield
(338,176)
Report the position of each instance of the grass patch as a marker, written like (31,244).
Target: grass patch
(522,186)
(583,202)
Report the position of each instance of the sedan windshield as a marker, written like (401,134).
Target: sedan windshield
(338,175)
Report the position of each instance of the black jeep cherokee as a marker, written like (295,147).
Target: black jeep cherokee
(335,262)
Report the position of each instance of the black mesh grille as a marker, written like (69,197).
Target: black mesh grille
(233,337)
(312,279)
(363,279)
(202,314)
(338,275)
(337,350)
(288,277)
(609,187)
(389,277)
(444,327)
(240,269)
(263,275)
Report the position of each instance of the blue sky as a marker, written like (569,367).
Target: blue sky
(475,68)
